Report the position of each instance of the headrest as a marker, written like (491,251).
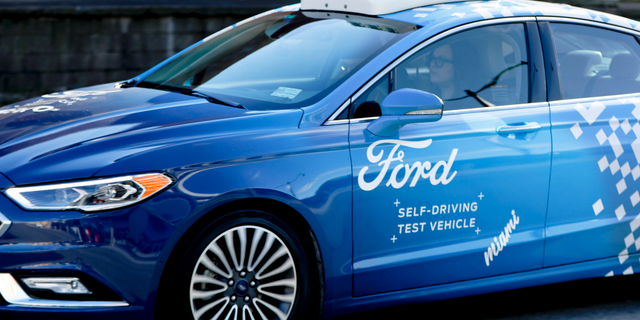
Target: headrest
(495,59)
(578,63)
(624,67)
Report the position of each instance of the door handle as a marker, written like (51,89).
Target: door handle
(524,127)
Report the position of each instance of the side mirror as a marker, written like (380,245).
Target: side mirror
(403,107)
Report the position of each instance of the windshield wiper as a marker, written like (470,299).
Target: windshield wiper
(191,92)
(211,99)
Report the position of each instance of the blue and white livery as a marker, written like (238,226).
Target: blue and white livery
(327,158)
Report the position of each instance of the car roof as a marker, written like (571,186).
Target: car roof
(482,10)
(369,7)
(456,13)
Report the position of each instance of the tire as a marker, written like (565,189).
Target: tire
(247,265)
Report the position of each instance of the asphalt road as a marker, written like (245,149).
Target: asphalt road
(614,298)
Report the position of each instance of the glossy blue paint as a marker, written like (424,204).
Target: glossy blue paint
(520,207)
(4,182)
(590,269)
(396,111)
(587,218)
(458,210)
(113,247)
(402,101)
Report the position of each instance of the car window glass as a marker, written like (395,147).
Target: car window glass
(344,114)
(282,60)
(596,62)
(482,67)
(368,104)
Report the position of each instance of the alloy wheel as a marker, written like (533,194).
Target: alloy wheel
(246,272)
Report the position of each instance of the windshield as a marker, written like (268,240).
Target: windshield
(282,60)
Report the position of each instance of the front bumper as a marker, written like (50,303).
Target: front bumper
(115,254)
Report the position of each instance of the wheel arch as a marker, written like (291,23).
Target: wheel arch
(284,207)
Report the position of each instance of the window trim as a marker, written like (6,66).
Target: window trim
(419,47)
(589,22)
(592,99)
(332,120)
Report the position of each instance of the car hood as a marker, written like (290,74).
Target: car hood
(50,110)
(73,134)
(54,109)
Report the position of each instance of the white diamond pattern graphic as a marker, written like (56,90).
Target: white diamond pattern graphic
(635,223)
(604,164)
(445,6)
(591,114)
(614,166)
(635,172)
(614,123)
(506,13)
(636,110)
(601,136)
(620,212)
(533,10)
(623,256)
(484,13)
(636,129)
(576,130)
(621,163)
(629,240)
(609,274)
(635,198)
(626,127)
(635,145)
(625,169)
(616,145)
(598,207)
(621,186)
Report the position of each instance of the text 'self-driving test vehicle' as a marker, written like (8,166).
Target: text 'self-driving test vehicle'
(327,158)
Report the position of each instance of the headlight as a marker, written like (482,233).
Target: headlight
(93,195)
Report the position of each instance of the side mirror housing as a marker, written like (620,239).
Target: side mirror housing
(403,107)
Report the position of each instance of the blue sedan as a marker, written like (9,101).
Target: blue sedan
(327,158)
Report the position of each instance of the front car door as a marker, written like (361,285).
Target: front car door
(464,197)
(593,202)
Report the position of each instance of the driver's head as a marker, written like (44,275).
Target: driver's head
(441,66)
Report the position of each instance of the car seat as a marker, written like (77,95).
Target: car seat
(622,78)
(576,71)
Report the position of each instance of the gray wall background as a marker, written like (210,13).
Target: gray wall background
(54,45)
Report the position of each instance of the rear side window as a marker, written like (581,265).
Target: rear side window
(596,62)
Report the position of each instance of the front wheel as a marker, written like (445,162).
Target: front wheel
(248,267)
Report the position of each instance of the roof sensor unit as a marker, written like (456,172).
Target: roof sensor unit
(369,7)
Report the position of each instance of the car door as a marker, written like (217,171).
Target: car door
(464,197)
(593,202)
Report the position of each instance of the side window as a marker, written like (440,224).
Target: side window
(481,67)
(596,62)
